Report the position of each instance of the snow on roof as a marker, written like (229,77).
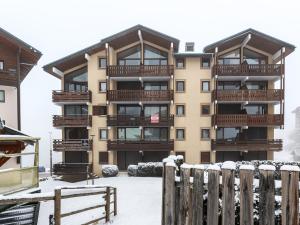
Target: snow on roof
(267,167)
(214,167)
(290,168)
(229,165)
(246,167)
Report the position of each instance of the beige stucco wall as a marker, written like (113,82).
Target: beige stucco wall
(8,109)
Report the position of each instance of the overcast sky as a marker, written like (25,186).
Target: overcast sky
(60,27)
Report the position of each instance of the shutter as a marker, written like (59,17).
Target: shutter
(103,157)
(205,157)
(99,110)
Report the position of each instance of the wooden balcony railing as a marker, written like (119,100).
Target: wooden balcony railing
(239,120)
(71,168)
(140,145)
(124,120)
(247,145)
(8,78)
(72,145)
(71,96)
(140,71)
(248,70)
(248,95)
(72,121)
(140,95)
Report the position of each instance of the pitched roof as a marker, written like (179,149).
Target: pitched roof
(117,40)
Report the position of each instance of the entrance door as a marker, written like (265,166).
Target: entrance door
(126,158)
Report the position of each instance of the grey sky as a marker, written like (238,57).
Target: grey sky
(60,27)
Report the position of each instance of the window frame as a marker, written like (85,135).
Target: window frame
(184,134)
(99,134)
(99,86)
(201,134)
(103,162)
(2,62)
(207,152)
(99,62)
(201,83)
(176,88)
(183,110)
(2,101)
(201,107)
(176,64)
(205,67)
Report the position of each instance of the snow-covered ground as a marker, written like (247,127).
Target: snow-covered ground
(139,201)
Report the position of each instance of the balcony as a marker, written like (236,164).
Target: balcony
(140,145)
(251,70)
(265,96)
(8,78)
(72,121)
(71,97)
(72,168)
(134,121)
(247,145)
(140,71)
(242,120)
(140,96)
(72,145)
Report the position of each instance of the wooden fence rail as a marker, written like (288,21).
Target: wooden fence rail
(105,192)
(217,195)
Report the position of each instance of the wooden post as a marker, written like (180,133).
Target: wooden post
(213,195)
(266,195)
(163,191)
(290,195)
(107,205)
(246,194)
(197,196)
(115,202)
(228,203)
(184,198)
(57,206)
(169,202)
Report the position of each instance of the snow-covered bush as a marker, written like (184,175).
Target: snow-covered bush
(110,170)
(150,169)
(132,170)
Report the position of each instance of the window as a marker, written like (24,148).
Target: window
(129,110)
(180,134)
(151,110)
(102,86)
(205,86)
(129,133)
(180,86)
(205,109)
(76,80)
(180,63)
(156,133)
(2,96)
(99,110)
(73,110)
(103,134)
(205,63)
(103,157)
(205,133)
(131,56)
(205,157)
(230,58)
(180,111)
(153,56)
(189,46)
(1,65)
(155,86)
(102,63)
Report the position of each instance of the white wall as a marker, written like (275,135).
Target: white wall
(8,109)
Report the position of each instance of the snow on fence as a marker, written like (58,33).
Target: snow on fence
(197,195)
(109,203)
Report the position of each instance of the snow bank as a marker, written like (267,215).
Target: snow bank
(199,166)
(289,168)
(214,167)
(267,167)
(247,167)
(229,165)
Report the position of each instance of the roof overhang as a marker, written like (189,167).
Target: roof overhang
(253,38)
(193,55)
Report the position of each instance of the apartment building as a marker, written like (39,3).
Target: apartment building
(17,58)
(134,97)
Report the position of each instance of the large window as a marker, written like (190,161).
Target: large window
(2,96)
(256,109)
(132,133)
(75,133)
(253,57)
(161,110)
(71,110)
(155,86)
(230,58)
(134,110)
(158,134)
(153,56)
(131,56)
(76,81)
(257,85)
(227,133)
(229,85)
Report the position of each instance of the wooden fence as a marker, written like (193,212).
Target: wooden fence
(209,196)
(109,195)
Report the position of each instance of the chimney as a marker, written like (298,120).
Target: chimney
(189,46)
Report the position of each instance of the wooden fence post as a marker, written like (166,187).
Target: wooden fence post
(57,206)
(213,195)
(266,195)
(246,194)
(165,161)
(228,200)
(290,195)
(197,195)
(169,197)
(107,205)
(115,202)
(184,199)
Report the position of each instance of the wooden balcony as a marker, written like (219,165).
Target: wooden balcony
(124,120)
(72,121)
(139,96)
(140,71)
(72,168)
(242,120)
(72,145)
(8,78)
(71,97)
(248,70)
(140,145)
(271,95)
(247,145)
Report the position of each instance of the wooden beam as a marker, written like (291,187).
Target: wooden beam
(57,71)
(19,88)
(278,54)
(246,40)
